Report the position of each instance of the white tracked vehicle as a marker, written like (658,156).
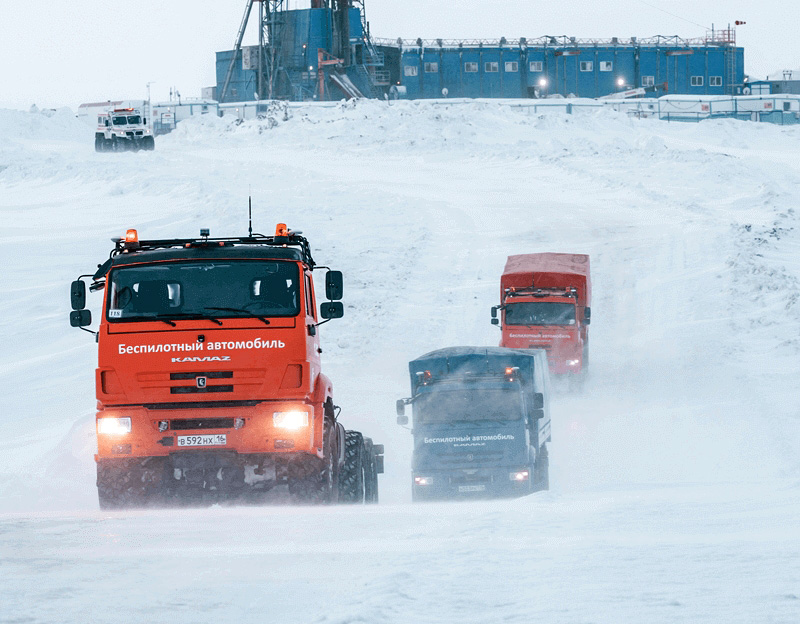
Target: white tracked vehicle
(123,129)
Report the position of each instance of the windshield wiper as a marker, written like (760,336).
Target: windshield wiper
(193,317)
(247,312)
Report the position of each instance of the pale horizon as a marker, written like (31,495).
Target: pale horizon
(82,52)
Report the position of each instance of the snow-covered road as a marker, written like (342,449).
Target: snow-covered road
(658,554)
(675,478)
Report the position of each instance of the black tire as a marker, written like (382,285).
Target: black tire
(126,484)
(99,143)
(148,143)
(585,362)
(352,476)
(312,480)
(541,470)
(370,474)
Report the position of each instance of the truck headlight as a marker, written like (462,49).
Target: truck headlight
(423,480)
(573,362)
(296,419)
(113,426)
(521,475)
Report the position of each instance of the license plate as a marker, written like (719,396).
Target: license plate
(471,488)
(217,439)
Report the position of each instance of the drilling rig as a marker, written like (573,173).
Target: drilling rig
(322,52)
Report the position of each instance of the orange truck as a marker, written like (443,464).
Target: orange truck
(546,304)
(209,381)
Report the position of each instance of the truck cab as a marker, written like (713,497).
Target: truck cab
(545,304)
(481,423)
(209,380)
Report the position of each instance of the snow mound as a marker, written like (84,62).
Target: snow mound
(41,125)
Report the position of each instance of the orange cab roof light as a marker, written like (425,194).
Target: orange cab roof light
(131,236)
(281,230)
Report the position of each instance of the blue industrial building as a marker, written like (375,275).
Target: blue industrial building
(326,52)
(567,67)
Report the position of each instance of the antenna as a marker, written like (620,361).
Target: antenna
(250,216)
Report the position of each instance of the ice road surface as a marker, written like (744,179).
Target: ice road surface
(675,479)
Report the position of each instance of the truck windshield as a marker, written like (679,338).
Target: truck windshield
(121,120)
(216,289)
(540,313)
(468,405)
(134,120)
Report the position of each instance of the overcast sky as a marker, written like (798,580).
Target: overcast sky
(65,53)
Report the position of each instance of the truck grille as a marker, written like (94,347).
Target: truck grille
(476,457)
(205,390)
(189,424)
(467,479)
(195,390)
(209,375)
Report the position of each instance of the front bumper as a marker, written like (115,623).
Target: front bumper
(455,484)
(246,429)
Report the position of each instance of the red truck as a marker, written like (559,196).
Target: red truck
(209,382)
(546,303)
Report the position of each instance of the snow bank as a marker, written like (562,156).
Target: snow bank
(40,125)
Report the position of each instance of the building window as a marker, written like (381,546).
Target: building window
(512,66)
(715,81)
(648,81)
(491,67)
(431,68)
(587,66)
(606,66)
(537,66)
(470,67)
(697,81)
(410,70)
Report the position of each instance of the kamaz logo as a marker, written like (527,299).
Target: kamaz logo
(201,382)
(207,358)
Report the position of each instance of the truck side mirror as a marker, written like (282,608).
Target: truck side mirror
(80,318)
(495,320)
(402,420)
(331,310)
(333,285)
(144,121)
(77,293)
(401,407)
(587,315)
(537,414)
(538,401)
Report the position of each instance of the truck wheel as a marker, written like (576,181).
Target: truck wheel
(541,470)
(148,143)
(312,480)
(352,477)
(126,484)
(99,143)
(370,474)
